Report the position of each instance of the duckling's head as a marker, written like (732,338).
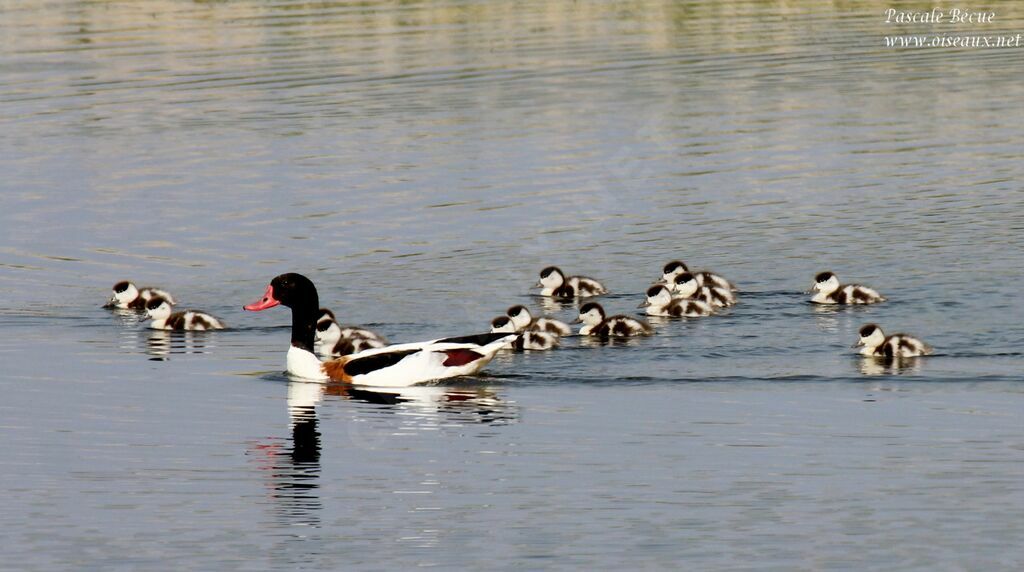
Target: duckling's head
(591,314)
(657,295)
(503,324)
(673,269)
(158,308)
(326,314)
(825,282)
(123,293)
(521,316)
(551,277)
(328,332)
(871,336)
(686,284)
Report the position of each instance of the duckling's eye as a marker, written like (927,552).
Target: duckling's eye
(323,325)
(653,291)
(867,331)
(120,287)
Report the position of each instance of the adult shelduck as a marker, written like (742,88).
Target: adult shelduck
(398,365)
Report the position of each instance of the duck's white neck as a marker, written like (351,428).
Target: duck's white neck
(304,364)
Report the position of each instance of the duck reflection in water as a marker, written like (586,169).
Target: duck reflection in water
(878,365)
(161,344)
(292,473)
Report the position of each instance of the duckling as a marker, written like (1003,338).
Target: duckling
(660,302)
(704,278)
(524,320)
(830,291)
(686,285)
(554,283)
(876,343)
(530,340)
(327,318)
(127,296)
(338,341)
(592,316)
(158,309)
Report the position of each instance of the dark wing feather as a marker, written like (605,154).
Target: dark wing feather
(364,365)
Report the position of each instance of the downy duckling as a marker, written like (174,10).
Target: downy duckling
(531,340)
(592,316)
(876,343)
(554,283)
(686,285)
(828,290)
(660,302)
(338,341)
(704,278)
(126,296)
(158,309)
(524,320)
(327,318)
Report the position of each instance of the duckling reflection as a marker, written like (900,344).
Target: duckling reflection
(160,344)
(873,365)
(596,342)
(553,305)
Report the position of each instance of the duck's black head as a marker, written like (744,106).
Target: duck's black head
(867,330)
(550,270)
(655,290)
(298,293)
(824,277)
(292,290)
(592,306)
(516,310)
(155,302)
(684,278)
(326,313)
(500,322)
(673,266)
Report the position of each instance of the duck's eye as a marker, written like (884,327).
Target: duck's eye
(653,291)
(323,325)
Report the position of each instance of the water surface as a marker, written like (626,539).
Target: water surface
(421,162)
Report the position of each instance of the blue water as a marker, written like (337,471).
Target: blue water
(421,162)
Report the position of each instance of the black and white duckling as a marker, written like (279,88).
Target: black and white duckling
(129,297)
(342,341)
(159,311)
(704,278)
(595,323)
(554,283)
(686,285)
(524,320)
(828,290)
(327,321)
(660,302)
(876,343)
(529,340)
